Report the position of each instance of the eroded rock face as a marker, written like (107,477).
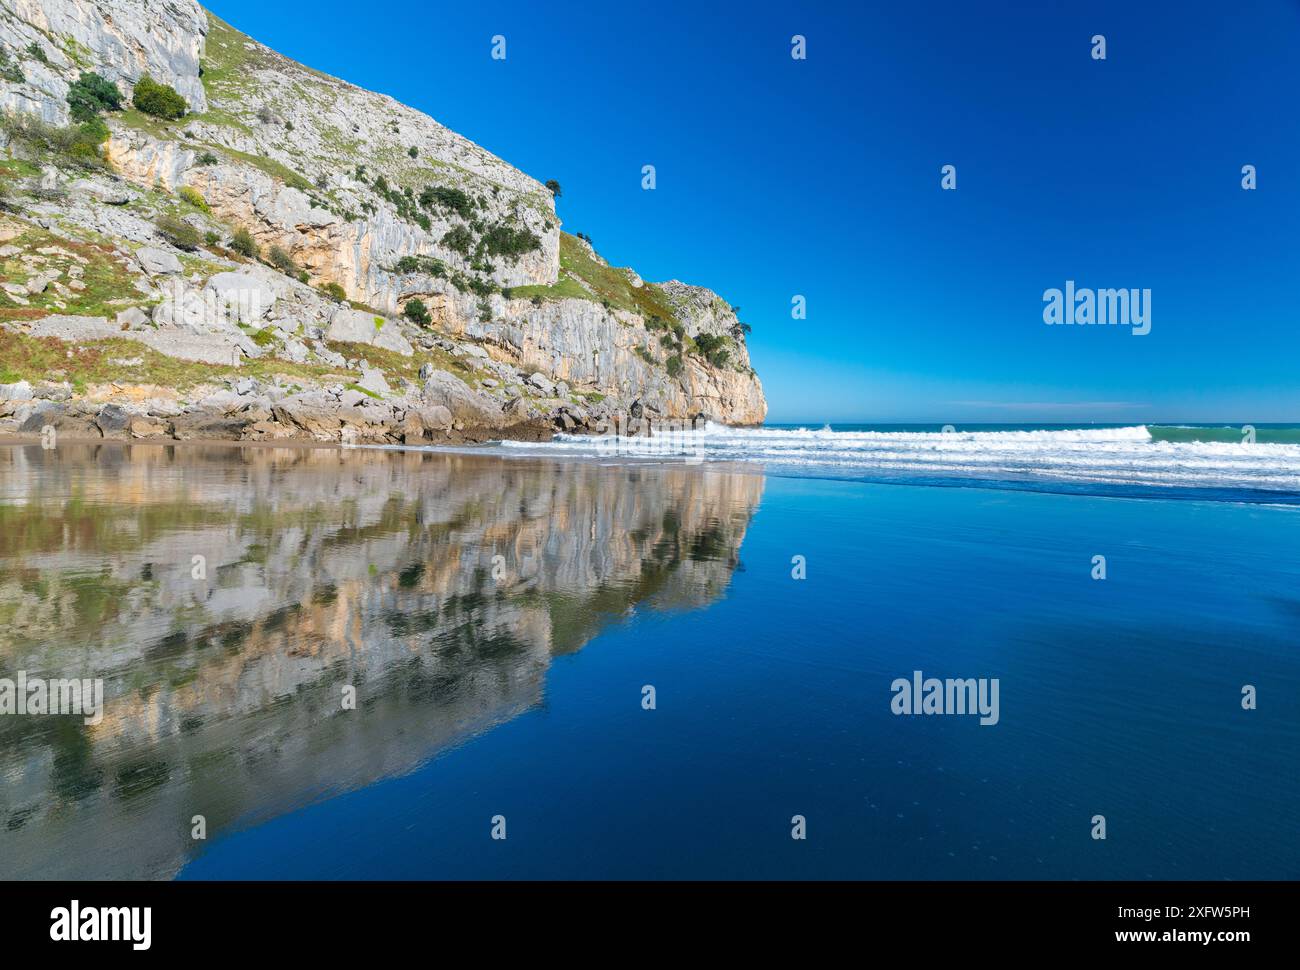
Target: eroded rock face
(353,217)
(158,261)
(248,297)
(335,219)
(586,345)
(122,39)
(450,392)
(113,421)
(361,327)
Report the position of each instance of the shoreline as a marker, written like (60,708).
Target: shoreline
(458,451)
(624,454)
(444,412)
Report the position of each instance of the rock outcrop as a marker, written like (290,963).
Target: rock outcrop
(385,236)
(121,40)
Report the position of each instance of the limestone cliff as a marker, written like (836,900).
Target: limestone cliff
(369,232)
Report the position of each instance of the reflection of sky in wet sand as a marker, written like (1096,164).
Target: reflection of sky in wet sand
(323,568)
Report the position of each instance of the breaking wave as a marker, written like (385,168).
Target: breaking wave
(1142,457)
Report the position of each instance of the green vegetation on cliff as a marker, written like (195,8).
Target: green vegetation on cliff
(585,278)
(159,100)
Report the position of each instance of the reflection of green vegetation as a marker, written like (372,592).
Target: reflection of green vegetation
(577,619)
(97,598)
(394,515)
(709,544)
(101,526)
(202,704)
(169,647)
(74,774)
(413,622)
(138,779)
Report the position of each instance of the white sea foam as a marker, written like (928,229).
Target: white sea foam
(1114,456)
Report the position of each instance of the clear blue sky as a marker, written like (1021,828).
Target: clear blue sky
(821,177)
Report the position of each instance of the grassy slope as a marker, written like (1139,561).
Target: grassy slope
(607,284)
(40,359)
(109,287)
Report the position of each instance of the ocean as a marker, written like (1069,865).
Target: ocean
(569,662)
(1233,462)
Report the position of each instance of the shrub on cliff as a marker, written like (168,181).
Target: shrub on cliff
(335,292)
(674,365)
(503,240)
(453,199)
(194,197)
(714,349)
(9,71)
(159,100)
(244,244)
(282,261)
(420,264)
(86,143)
(78,144)
(90,94)
(178,232)
(417,313)
(458,240)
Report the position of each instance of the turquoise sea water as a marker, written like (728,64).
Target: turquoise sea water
(518,693)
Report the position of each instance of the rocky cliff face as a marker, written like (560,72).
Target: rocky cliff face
(362,205)
(122,40)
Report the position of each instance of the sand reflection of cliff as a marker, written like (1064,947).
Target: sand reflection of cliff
(440,585)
